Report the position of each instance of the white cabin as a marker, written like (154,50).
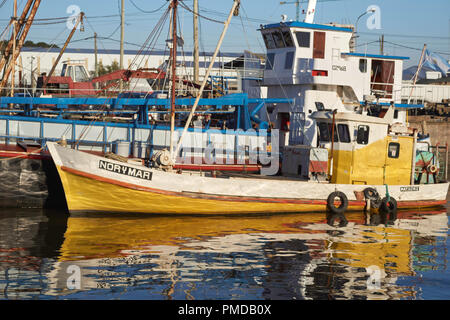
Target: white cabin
(313,64)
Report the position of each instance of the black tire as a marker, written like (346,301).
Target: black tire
(342,197)
(371,194)
(388,218)
(375,219)
(333,218)
(389,206)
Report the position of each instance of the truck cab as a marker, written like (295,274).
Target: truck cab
(74,80)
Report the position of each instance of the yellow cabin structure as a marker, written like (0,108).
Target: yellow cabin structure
(366,149)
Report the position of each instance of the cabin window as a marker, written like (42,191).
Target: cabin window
(289,60)
(63,71)
(288,39)
(270,61)
(278,38)
(319,45)
(268,40)
(324,135)
(344,133)
(80,74)
(303,39)
(362,136)
(325,131)
(70,72)
(363,65)
(394,150)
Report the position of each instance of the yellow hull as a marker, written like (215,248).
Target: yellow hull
(89,194)
(388,247)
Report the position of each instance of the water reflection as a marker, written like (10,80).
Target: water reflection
(47,255)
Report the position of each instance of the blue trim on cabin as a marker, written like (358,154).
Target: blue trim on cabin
(379,56)
(397,105)
(299,24)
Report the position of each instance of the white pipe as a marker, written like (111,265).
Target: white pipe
(413,162)
(311,11)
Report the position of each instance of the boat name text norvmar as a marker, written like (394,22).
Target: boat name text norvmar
(125,170)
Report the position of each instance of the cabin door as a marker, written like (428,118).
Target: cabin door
(397,169)
(319,45)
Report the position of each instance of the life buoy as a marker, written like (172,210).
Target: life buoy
(432,168)
(389,206)
(342,198)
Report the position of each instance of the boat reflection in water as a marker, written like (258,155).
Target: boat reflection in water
(292,256)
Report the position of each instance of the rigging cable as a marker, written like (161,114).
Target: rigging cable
(152,11)
(197,14)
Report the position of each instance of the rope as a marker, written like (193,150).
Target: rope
(388,197)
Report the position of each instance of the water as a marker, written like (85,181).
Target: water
(50,255)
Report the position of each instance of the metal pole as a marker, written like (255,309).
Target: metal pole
(382,45)
(196,52)
(95,56)
(174,65)
(13,61)
(31,71)
(354,36)
(122,34)
(413,160)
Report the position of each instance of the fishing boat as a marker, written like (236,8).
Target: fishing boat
(365,160)
(371,159)
(295,70)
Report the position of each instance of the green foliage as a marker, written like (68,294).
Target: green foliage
(107,69)
(41,44)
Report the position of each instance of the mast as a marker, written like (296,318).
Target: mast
(13,67)
(234,11)
(79,20)
(174,65)
(122,34)
(196,52)
(21,22)
(24,27)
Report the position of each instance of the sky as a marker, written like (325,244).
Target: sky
(406,24)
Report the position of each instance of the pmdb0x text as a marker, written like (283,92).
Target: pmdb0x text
(246,309)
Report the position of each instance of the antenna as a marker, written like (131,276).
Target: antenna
(283,18)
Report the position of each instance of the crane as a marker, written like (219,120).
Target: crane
(22,27)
